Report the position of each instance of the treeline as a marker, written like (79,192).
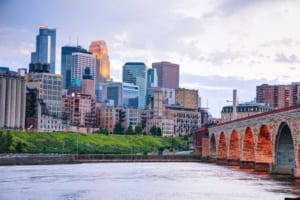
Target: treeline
(6,143)
(43,142)
(137,130)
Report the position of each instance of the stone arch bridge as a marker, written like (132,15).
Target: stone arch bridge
(265,142)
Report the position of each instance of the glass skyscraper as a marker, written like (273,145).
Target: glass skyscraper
(80,61)
(135,73)
(66,62)
(123,94)
(45,48)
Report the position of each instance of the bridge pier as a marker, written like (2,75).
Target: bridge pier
(247,165)
(232,162)
(222,161)
(262,167)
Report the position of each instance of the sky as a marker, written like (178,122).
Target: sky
(220,45)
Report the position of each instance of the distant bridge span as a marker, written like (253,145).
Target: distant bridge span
(267,141)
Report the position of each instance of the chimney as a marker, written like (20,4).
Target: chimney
(234,105)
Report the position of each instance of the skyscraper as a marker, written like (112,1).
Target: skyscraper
(123,94)
(135,72)
(45,48)
(80,61)
(151,77)
(99,49)
(167,74)
(66,62)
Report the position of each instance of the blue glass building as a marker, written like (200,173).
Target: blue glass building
(135,73)
(45,48)
(122,94)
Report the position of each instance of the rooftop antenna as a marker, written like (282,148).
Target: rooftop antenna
(77,41)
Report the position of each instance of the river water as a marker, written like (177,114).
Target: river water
(142,181)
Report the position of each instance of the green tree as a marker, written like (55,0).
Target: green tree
(102,131)
(138,130)
(130,130)
(20,147)
(153,130)
(158,131)
(118,129)
(5,142)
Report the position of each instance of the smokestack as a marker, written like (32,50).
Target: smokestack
(234,105)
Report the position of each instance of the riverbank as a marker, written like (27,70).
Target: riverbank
(75,143)
(47,159)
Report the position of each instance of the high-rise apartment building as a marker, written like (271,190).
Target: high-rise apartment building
(135,73)
(45,48)
(81,61)
(167,74)
(278,96)
(66,62)
(12,100)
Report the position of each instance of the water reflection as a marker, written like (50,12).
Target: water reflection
(142,181)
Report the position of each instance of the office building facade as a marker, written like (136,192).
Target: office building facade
(66,62)
(167,74)
(187,98)
(45,48)
(81,61)
(135,73)
(49,88)
(122,94)
(99,49)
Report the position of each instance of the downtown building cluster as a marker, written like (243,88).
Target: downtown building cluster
(84,98)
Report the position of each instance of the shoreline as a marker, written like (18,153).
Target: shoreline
(48,159)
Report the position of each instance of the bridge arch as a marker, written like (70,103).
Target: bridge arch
(234,148)
(212,146)
(284,150)
(222,147)
(248,150)
(264,147)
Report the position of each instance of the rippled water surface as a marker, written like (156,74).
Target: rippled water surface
(142,181)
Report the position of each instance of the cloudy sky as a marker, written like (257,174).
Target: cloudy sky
(220,44)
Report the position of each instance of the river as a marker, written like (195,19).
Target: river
(142,181)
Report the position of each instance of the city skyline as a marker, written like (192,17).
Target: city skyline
(220,45)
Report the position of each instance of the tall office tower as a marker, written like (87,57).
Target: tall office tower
(12,99)
(88,85)
(122,94)
(99,49)
(66,62)
(49,88)
(45,48)
(167,74)
(278,96)
(151,77)
(80,61)
(135,72)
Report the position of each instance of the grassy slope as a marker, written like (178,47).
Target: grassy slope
(33,142)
